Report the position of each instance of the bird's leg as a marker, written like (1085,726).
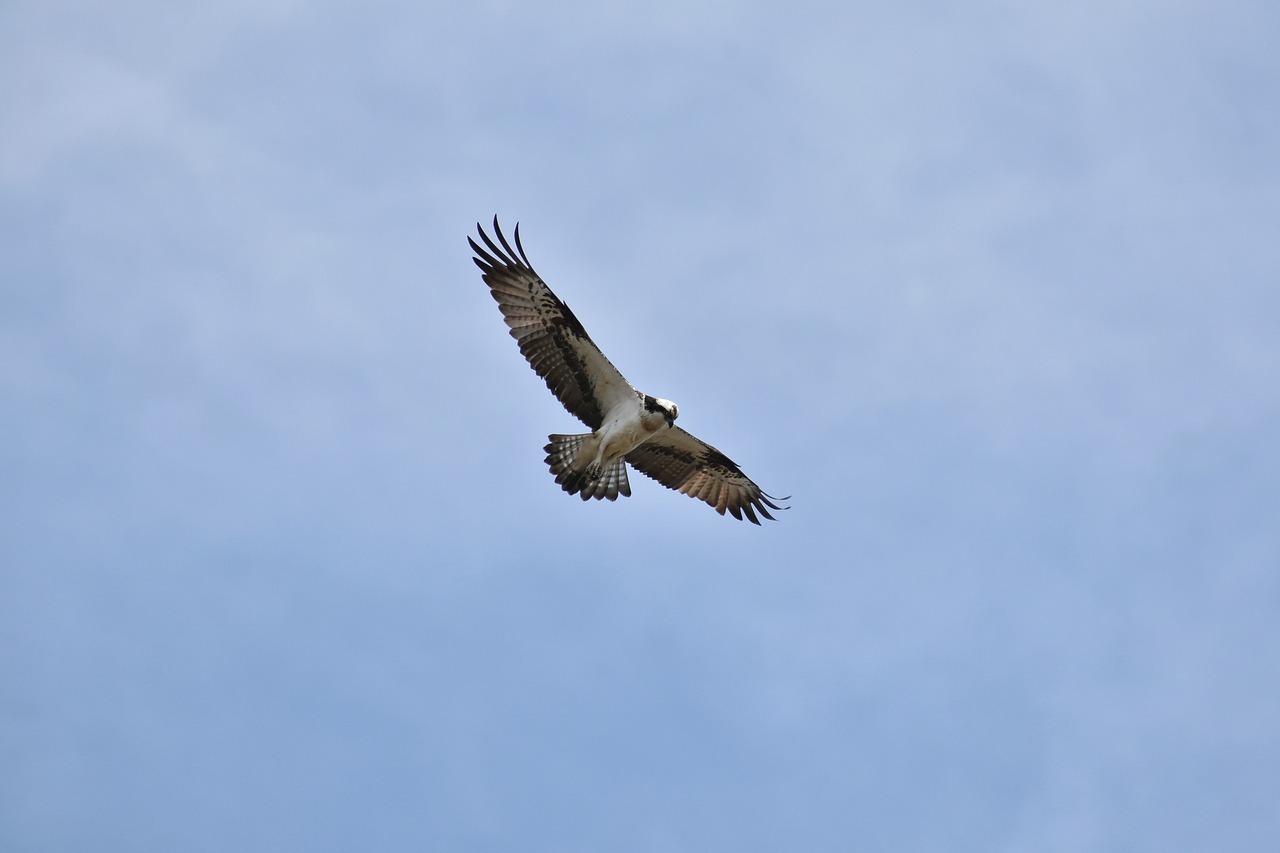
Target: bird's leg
(596,466)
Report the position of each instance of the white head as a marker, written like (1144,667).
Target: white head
(669,409)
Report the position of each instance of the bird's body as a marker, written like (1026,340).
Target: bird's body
(578,460)
(626,425)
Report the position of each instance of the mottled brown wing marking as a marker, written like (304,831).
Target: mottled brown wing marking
(689,465)
(550,336)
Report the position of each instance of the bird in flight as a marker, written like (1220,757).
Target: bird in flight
(627,426)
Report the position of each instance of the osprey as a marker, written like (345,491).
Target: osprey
(627,426)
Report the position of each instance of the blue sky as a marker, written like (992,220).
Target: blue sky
(989,288)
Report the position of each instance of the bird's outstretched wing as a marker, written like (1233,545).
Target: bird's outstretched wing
(550,337)
(689,465)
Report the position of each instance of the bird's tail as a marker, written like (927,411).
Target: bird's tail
(571,471)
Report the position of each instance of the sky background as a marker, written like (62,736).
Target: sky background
(992,289)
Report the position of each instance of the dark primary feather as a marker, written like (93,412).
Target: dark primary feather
(689,465)
(550,336)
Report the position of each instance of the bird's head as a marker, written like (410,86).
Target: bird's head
(666,408)
(670,409)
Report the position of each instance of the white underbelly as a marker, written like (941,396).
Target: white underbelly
(621,436)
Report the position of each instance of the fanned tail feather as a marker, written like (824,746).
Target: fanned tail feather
(562,454)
